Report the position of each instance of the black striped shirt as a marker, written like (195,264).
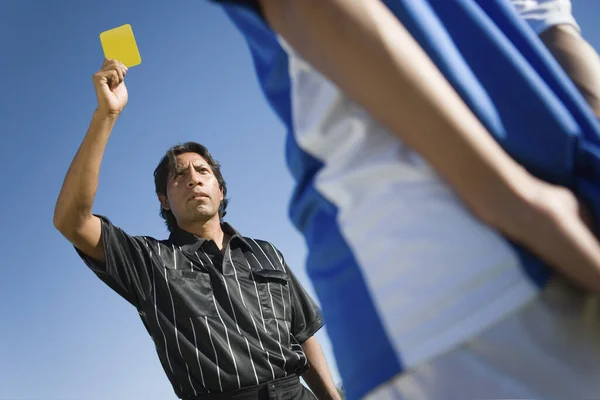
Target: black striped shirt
(219,321)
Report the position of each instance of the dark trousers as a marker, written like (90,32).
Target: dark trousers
(288,388)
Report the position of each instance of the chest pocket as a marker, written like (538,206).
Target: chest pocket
(274,292)
(191,293)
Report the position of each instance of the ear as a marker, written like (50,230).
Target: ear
(221,192)
(164,202)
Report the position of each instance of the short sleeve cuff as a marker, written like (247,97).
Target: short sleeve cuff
(93,264)
(310,331)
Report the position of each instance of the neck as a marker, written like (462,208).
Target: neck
(209,230)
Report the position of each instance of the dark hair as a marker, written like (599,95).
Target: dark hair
(166,167)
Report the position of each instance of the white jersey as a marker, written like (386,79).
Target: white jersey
(542,14)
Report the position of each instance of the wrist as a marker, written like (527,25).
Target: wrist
(529,214)
(102,123)
(513,207)
(106,115)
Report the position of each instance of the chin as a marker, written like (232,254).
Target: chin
(203,214)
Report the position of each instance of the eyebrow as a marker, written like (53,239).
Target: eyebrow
(180,167)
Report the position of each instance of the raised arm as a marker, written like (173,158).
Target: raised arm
(367,52)
(73,211)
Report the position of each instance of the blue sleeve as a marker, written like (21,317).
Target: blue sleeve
(249,4)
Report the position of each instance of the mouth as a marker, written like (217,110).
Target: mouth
(196,196)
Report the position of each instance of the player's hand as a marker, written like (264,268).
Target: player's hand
(110,87)
(561,232)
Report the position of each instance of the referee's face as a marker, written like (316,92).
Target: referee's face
(193,192)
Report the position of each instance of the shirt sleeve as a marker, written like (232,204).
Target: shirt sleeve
(307,318)
(127,265)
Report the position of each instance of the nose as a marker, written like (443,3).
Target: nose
(195,178)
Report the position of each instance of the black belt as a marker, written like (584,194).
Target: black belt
(262,391)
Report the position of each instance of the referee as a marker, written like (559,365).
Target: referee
(227,315)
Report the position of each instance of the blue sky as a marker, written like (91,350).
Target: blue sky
(63,333)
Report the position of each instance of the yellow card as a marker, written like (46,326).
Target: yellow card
(119,44)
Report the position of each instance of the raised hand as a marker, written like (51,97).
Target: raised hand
(110,87)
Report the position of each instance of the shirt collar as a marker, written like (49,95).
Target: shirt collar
(184,238)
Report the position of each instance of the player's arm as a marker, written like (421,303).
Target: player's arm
(366,51)
(73,211)
(578,58)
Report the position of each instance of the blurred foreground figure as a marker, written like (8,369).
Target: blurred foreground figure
(442,161)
